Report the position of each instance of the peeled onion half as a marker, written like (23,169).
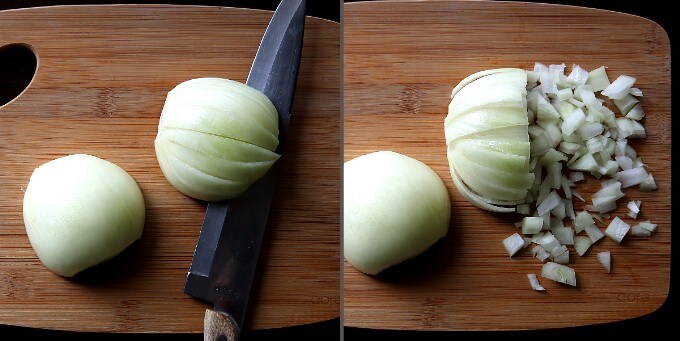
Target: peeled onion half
(395,208)
(79,211)
(216,137)
(487,139)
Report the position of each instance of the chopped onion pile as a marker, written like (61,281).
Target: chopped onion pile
(573,132)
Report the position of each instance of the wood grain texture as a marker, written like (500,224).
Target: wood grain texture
(103,75)
(402,59)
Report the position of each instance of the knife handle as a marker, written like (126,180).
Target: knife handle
(219,326)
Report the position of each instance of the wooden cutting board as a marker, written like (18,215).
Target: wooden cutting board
(103,75)
(402,59)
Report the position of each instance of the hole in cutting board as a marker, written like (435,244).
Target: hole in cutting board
(18,63)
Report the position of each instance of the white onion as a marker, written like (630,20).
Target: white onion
(513,244)
(559,273)
(533,281)
(581,244)
(619,88)
(79,211)
(540,253)
(617,230)
(631,177)
(644,228)
(597,79)
(565,235)
(532,225)
(487,139)
(395,208)
(594,233)
(216,137)
(605,259)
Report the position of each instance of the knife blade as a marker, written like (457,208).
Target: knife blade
(225,259)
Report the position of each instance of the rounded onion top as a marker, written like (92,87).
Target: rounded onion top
(395,208)
(487,139)
(216,137)
(80,210)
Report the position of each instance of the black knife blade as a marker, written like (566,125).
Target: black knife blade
(224,262)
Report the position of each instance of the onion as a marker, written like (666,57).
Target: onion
(581,244)
(216,137)
(79,211)
(532,225)
(395,208)
(605,259)
(513,244)
(594,233)
(559,273)
(644,228)
(488,141)
(540,253)
(533,281)
(617,230)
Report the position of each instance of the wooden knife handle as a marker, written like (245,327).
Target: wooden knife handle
(218,326)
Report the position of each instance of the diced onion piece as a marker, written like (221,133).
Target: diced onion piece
(597,79)
(617,230)
(550,202)
(532,225)
(631,177)
(648,183)
(540,253)
(644,228)
(633,209)
(549,242)
(565,235)
(619,88)
(573,121)
(605,259)
(585,163)
(578,75)
(612,189)
(589,130)
(581,244)
(559,273)
(513,244)
(565,94)
(533,280)
(583,220)
(636,113)
(594,233)
(625,104)
(635,92)
(576,176)
(561,255)
(625,162)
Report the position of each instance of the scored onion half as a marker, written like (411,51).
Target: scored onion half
(487,139)
(216,137)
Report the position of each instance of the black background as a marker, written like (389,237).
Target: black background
(654,325)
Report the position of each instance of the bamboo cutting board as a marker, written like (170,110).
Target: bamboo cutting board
(103,75)
(402,59)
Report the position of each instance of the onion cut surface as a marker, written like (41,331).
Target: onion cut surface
(216,137)
(487,139)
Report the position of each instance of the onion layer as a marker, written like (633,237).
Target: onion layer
(395,208)
(216,137)
(79,211)
(487,139)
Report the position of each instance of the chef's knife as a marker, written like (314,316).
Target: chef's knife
(224,262)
